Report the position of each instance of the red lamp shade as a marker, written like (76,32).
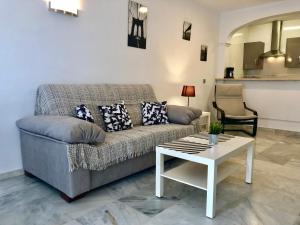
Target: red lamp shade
(188,91)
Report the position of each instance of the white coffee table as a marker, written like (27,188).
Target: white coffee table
(205,169)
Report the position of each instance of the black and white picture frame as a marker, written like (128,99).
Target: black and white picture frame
(137,25)
(187,31)
(203,54)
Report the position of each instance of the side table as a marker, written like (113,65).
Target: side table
(205,121)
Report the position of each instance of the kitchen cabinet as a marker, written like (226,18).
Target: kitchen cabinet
(292,59)
(252,53)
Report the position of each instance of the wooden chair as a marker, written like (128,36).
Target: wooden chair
(231,108)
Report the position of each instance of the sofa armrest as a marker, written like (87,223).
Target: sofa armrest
(182,114)
(63,128)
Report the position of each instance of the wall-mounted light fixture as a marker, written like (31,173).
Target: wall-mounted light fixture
(67,7)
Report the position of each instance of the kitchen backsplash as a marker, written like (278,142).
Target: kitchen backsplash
(273,66)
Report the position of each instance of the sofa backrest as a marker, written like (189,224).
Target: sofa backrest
(61,99)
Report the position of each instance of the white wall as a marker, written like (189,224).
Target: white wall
(37,46)
(275,101)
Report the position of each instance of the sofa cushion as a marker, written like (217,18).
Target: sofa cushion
(154,113)
(63,128)
(82,112)
(182,115)
(116,117)
(123,145)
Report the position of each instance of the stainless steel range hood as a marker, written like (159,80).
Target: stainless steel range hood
(275,41)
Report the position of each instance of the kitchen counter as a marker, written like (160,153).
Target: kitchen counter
(263,78)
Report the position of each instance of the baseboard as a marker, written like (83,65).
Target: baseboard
(10,174)
(279,124)
(279,131)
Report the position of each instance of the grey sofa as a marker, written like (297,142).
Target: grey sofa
(76,168)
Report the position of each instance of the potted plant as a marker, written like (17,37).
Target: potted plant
(215,129)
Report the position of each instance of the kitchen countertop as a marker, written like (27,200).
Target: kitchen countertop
(263,78)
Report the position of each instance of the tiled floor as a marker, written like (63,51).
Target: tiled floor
(273,198)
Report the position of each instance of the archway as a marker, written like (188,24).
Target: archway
(232,21)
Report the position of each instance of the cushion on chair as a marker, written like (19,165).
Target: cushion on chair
(229,97)
(247,117)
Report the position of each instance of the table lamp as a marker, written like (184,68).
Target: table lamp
(188,91)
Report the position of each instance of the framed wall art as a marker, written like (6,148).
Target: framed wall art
(203,53)
(187,31)
(137,25)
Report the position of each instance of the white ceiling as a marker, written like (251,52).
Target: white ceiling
(226,5)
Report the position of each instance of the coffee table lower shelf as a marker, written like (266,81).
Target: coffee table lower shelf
(195,174)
